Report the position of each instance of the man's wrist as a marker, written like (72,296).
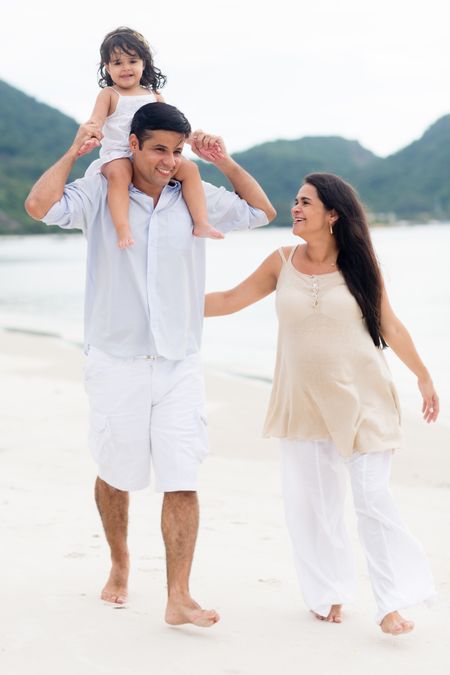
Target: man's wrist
(227,165)
(72,154)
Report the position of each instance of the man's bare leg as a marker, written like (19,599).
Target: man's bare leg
(179,524)
(113,508)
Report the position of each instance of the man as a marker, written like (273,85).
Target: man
(143,320)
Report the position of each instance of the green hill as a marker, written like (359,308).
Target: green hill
(280,165)
(414,183)
(410,184)
(32,137)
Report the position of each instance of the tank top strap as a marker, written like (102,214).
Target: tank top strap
(115,91)
(283,257)
(291,254)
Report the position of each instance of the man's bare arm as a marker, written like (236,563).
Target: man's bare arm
(212,149)
(49,188)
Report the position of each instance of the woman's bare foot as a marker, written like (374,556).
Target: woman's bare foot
(394,624)
(186,610)
(334,615)
(116,588)
(207,231)
(124,236)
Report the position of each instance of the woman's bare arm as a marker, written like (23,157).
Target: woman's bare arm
(262,282)
(401,343)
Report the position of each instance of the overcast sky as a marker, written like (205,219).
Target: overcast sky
(251,70)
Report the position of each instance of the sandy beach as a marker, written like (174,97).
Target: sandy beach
(54,559)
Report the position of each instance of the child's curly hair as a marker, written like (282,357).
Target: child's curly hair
(131,42)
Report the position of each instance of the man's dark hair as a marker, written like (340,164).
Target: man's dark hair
(158,117)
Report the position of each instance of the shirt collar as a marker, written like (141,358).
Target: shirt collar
(172,186)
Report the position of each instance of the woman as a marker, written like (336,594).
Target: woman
(334,406)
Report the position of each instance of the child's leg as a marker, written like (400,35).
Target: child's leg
(194,195)
(119,173)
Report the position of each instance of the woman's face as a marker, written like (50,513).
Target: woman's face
(309,215)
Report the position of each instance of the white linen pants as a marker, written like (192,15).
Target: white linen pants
(313,481)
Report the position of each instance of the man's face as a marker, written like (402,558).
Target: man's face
(159,159)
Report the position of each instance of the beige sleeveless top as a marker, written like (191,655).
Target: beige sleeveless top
(330,380)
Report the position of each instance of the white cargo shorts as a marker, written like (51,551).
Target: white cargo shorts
(146,410)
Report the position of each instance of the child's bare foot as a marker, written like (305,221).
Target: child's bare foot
(207,231)
(394,624)
(124,236)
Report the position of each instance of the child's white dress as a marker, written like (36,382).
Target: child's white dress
(116,130)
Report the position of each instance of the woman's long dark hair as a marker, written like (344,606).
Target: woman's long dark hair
(356,257)
(131,42)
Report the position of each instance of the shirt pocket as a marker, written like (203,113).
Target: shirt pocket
(176,233)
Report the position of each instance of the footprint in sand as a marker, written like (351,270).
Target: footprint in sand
(271,581)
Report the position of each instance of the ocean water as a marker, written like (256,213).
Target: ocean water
(42,282)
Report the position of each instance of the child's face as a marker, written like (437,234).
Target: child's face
(124,69)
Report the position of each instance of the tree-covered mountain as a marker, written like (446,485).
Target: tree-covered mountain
(32,137)
(281,165)
(410,184)
(414,183)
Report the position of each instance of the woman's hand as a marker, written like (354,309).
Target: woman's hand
(430,405)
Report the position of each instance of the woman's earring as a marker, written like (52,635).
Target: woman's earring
(331,228)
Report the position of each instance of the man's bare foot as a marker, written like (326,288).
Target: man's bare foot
(207,231)
(124,236)
(186,610)
(394,624)
(333,616)
(116,588)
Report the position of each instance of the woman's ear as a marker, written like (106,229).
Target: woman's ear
(334,216)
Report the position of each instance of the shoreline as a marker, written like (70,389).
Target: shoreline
(221,384)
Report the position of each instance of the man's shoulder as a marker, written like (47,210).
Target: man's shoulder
(90,186)
(79,203)
(216,190)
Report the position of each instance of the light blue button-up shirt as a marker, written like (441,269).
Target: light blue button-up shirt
(149,298)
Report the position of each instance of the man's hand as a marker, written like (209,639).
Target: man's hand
(87,138)
(208,147)
(50,187)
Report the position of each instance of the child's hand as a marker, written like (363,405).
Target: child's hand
(88,146)
(208,147)
(87,138)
